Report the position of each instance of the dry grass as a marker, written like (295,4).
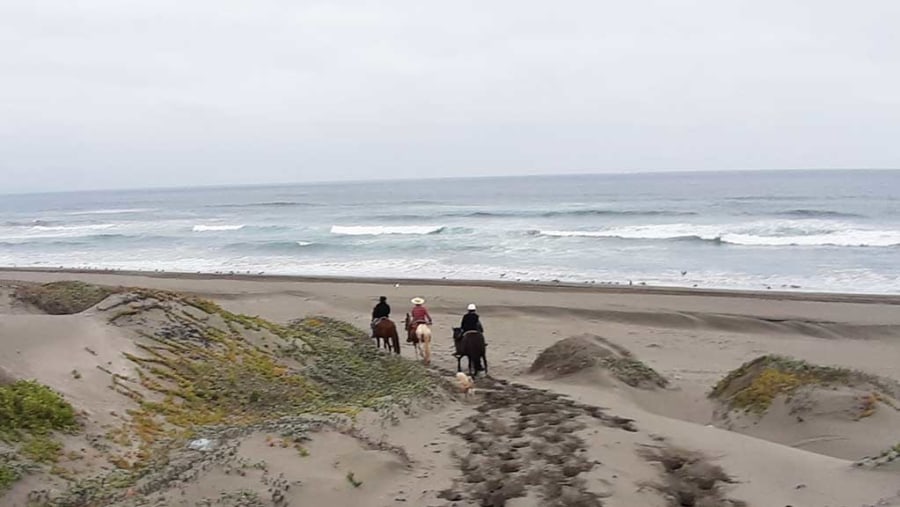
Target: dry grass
(868,405)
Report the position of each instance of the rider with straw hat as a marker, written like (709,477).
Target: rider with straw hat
(419,312)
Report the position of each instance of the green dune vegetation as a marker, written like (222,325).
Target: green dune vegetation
(889,456)
(63,298)
(29,415)
(198,370)
(756,384)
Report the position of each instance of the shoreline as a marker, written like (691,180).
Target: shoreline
(828,297)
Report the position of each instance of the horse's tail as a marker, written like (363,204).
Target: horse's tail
(479,351)
(423,333)
(393,332)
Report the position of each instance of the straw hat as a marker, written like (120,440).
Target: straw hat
(417,301)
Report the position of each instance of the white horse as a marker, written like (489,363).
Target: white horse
(422,341)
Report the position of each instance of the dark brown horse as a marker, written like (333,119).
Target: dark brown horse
(472,346)
(385,330)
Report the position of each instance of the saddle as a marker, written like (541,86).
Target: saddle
(458,336)
(411,331)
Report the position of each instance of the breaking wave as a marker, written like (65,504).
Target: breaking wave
(217,228)
(379,230)
(743,235)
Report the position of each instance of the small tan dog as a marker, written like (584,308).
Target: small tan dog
(466,384)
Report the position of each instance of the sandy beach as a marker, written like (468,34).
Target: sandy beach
(809,445)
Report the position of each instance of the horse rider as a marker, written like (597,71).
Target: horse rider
(381,311)
(419,314)
(471,321)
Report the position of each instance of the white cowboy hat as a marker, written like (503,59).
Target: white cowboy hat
(471,307)
(417,301)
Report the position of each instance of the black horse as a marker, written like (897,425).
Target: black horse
(472,346)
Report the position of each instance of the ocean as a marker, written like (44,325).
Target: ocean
(834,231)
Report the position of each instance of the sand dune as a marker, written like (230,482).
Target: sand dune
(522,438)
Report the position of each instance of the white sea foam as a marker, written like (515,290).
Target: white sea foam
(769,233)
(304,243)
(52,231)
(847,280)
(88,227)
(379,230)
(217,228)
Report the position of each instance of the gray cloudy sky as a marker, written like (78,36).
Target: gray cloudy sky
(123,93)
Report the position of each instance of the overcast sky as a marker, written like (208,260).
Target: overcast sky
(122,93)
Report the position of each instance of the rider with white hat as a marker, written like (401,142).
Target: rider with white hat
(471,321)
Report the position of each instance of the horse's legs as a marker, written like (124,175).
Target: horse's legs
(459,364)
(484,358)
(396,340)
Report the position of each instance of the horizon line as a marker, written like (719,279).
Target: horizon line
(442,178)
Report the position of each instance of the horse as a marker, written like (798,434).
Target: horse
(472,346)
(420,336)
(385,329)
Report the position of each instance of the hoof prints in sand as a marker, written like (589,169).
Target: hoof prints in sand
(524,440)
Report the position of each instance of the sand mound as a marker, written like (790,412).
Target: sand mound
(151,370)
(834,411)
(579,353)
(62,298)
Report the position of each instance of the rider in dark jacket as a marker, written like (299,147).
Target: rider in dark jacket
(471,321)
(382,309)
